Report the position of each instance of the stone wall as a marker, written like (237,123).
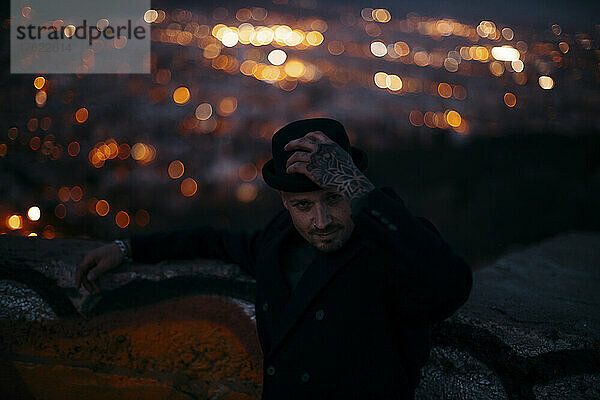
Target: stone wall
(185,329)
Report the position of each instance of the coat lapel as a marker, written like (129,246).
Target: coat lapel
(321,271)
(275,287)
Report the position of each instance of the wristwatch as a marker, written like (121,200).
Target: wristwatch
(124,247)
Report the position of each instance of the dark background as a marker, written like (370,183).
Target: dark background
(518,175)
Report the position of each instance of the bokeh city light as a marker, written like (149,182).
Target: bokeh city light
(83,147)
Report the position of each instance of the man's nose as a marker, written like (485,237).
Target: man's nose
(322,217)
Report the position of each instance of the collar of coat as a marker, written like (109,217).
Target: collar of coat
(288,307)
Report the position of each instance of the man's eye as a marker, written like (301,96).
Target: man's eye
(334,198)
(303,206)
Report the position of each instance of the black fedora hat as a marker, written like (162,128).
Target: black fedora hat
(274,172)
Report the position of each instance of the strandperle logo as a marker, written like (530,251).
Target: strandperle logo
(91,33)
(83,36)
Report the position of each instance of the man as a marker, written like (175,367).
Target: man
(348,282)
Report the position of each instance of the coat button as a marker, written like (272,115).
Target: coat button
(305,377)
(319,315)
(384,220)
(265,307)
(392,227)
(271,370)
(375,213)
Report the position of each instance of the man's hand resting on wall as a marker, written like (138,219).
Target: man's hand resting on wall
(96,263)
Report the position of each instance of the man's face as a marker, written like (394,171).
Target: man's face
(323,218)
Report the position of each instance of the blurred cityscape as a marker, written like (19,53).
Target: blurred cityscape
(436,101)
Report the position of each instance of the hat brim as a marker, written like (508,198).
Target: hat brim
(296,183)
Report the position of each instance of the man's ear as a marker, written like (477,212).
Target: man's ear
(283,198)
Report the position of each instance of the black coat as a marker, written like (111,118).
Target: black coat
(358,323)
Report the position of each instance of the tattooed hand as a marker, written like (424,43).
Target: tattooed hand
(328,165)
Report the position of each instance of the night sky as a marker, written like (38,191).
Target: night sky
(573,15)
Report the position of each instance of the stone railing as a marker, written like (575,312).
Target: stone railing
(185,329)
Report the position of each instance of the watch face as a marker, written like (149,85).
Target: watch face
(123,248)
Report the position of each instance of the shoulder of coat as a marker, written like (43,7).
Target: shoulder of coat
(280,222)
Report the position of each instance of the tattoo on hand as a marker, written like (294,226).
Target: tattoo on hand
(333,168)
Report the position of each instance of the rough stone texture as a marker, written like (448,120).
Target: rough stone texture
(56,382)
(549,293)
(48,267)
(534,318)
(452,374)
(19,302)
(191,347)
(531,329)
(579,387)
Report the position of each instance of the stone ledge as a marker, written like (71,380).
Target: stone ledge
(531,328)
(48,267)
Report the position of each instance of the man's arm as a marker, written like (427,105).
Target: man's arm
(206,242)
(428,280)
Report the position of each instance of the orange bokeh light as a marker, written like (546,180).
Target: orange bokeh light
(35,143)
(227,106)
(444,90)
(60,211)
(64,194)
(510,99)
(248,172)
(460,93)
(122,219)
(124,151)
(81,115)
(49,232)
(73,149)
(429,119)
(45,123)
(76,193)
(176,169)
(181,95)
(453,118)
(416,118)
(246,192)
(14,222)
(188,187)
(102,207)
(39,82)
(32,124)
(142,217)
